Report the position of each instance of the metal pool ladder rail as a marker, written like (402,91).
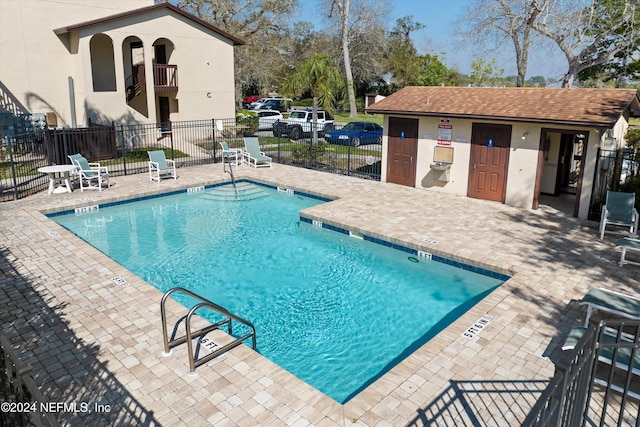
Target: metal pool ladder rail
(194,360)
(233,180)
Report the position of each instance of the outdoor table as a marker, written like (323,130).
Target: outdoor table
(58,174)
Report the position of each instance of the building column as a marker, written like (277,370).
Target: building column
(151,93)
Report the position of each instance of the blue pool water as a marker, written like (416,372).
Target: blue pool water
(336,311)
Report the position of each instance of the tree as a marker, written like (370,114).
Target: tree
(343,16)
(625,65)
(537,81)
(294,48)
(432,72)
(262,24)
(352,25)
(401,59)
(632,138)
(485,73)
(321,78)
(589,33)
(501,20)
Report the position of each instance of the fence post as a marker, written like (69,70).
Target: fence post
(279,148)
(13,171)
(65,134)
(171,140)
(213,140)
(349,157)
(123,143)
(617,168)
(558,397)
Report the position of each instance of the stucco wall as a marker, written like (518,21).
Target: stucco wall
(523,159)
(35,64)
(204,60)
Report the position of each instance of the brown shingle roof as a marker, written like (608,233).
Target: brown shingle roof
(593,107)
(143,10)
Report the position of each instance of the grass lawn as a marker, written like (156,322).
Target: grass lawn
(343,117)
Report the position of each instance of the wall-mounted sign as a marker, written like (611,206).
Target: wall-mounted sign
(444,132)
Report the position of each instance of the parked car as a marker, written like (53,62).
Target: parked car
(260,104)
(255,105)
(355,133)
(299,124)
(279,104)
(248,100)
(266,118)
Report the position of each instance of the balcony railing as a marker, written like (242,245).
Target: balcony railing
(165,79)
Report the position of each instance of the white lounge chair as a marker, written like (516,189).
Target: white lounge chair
(234,155)
(89,172)
(619,210)
(253,155)
(611,302)
(160,167)
(627,244)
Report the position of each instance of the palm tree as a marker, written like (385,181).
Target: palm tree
(319,76)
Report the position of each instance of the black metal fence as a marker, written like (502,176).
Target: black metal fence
(616,170)
(123,149)
(597,383)
(19,393)
(332,149)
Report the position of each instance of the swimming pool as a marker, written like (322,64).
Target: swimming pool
(336,311)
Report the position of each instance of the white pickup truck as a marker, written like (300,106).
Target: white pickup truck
(300,124)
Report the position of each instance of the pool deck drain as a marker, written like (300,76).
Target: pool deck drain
(90,340)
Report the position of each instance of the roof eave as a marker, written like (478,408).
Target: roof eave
(64,30)
(592,124)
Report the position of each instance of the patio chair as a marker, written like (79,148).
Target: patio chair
(253,155)
(234,155)
(619,210)
(89,172)
(612,302)
(160,167)
(627,244)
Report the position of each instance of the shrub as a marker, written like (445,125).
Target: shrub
(247,122)
(632,138)
(632,186)
(301,152)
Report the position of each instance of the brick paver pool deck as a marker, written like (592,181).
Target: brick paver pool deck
(92,341)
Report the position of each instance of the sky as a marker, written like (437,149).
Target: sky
(438,17)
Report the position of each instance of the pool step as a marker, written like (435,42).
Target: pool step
(246,191)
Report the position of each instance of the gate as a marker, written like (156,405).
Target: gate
(20,158)
(616,170)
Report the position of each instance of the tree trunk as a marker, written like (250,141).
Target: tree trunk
(344,15)
(314,122)
(353,109)
(569,78)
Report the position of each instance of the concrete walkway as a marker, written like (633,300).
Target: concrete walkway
(91,341)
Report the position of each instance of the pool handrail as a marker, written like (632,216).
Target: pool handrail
(194,361)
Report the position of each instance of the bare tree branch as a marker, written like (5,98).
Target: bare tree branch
(589,33)
(493,22)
